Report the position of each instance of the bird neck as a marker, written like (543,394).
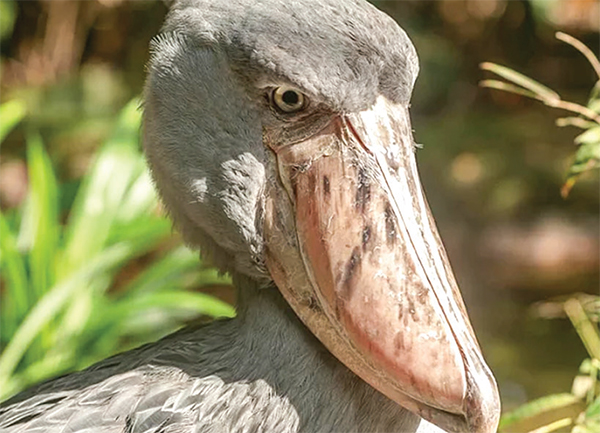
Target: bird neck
(278,348)
(267,317)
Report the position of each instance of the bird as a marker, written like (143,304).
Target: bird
(279,139)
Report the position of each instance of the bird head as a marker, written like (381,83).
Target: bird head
(279,137)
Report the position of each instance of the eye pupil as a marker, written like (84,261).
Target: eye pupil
(290,97)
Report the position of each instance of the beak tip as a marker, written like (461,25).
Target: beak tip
(483,406)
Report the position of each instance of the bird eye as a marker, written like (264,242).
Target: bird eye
(288,99)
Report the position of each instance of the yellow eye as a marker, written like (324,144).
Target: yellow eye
(288,99)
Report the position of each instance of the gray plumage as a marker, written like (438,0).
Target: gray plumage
(204,115)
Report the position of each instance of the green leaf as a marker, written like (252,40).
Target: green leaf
(98,201)
(591,136)
(594,99)
(541,412)
(591,423)
(586,366)
(11,113)
(52,303)
(161,311)
(39,231)
(12,267)
(146,316)
(587,331)
(593,410)
(140,198)
(8,15)
(586,158)
(199,303)
(97,205)
(171,270)
(41,225)
(508,74)
(82,305)
(149,226)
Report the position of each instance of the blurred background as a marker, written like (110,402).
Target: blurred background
(492,164)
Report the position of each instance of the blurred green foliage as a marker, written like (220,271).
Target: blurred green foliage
(8,12)
(66,302)
(579,410)
(587,156)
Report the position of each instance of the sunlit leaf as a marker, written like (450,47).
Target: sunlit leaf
(591,423)
(12,266)
(594,99)
(8,15)
(11,113)
(541,412)
(553,426)
(117,165)
(586,158)
(593,409)
(51,304)
(588,333)
(39,234)
(199,303)
(591,136)
(41,219)
(139,199)
(164,272)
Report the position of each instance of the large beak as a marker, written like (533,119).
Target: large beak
(353,247)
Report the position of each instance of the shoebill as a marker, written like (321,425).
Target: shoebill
(279,138)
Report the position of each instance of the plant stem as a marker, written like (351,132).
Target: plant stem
(553,426)
(584,327)
(579,46)
(573,107)
(575,121)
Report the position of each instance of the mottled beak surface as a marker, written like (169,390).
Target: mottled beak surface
(354,249)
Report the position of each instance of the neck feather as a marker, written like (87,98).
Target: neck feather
(323,391)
